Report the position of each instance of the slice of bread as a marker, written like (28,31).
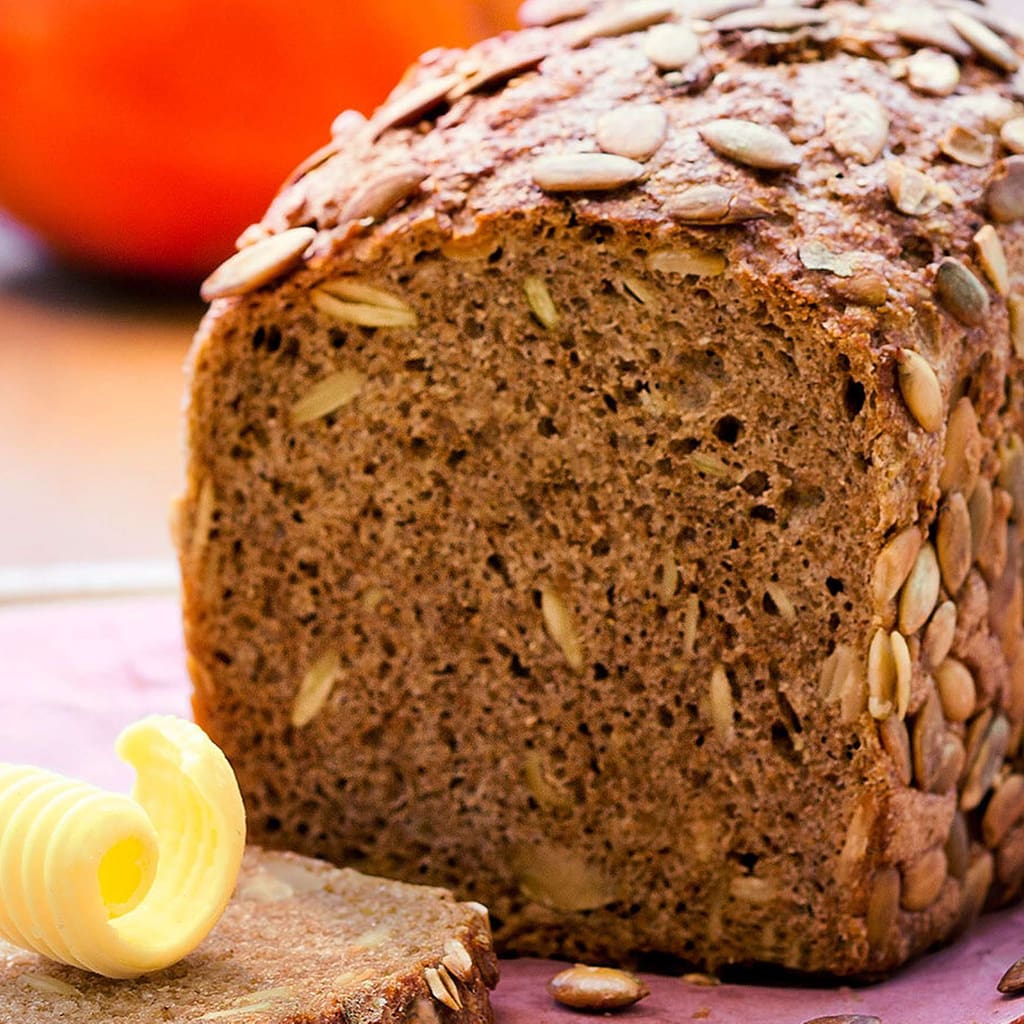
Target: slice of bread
(301,941)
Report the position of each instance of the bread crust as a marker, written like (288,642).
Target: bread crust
(589,569)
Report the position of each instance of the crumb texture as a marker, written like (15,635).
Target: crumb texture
(614,518)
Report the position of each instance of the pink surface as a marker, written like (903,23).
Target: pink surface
(74,674)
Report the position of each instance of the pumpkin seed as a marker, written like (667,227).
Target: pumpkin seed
(596,988)
(961,293)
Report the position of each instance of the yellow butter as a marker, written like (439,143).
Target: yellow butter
(122,885)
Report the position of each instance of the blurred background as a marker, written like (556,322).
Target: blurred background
(137,140)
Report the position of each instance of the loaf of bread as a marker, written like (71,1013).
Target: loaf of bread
(604,485)
(300,941)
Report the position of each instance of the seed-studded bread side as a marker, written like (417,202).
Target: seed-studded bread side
(607,504)
(300,943)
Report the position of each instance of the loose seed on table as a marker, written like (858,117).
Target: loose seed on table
(596,988)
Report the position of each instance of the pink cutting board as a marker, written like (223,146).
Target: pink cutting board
(74,674)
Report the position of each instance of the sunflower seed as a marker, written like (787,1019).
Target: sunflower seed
(961,293)
(904,671)
(750,889)
(1011,471)
(853,690)
(1015,707)
(883,909)
(987,761)
(952,759)
(457,959)
(691,618)
(923,879)
(992,258)
(938,637)
(1012,981)
(1004,193)
(932,72)
(858,840)
(991,553)
(696,262)
(700,980)
(953,541)
(751,144)
(980,506)
(913,192)
(920,592)
(379,196)
(584,172)
(920,389)
(635,130)
(1005,26)
(620,20)
(363,314)
(1004,810)
(714,204)
(774,18)
(881,676)
(926,27)
(896,741)
(893,565)
(439,990)
(353,289)
(1012,135)
(328,395)
(549,12)
(975,886)
(720,704)
(958,846)
(497,72)
(638,290)
(857,126)
(928,742)
(560,623)
(956,690)
(782,601)
(966,146)
(258,264)
(670,47)
(987,44)
(550,795)
(961,459)
(315,689)
(596,988)
(412,104)
(538,298)
(1015,307)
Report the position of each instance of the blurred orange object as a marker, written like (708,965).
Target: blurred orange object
(141,136)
